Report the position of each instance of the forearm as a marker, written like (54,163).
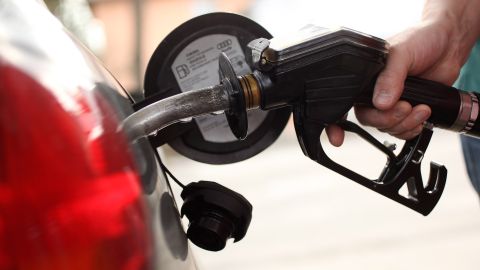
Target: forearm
(459,18)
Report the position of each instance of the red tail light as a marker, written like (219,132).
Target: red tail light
(69,194)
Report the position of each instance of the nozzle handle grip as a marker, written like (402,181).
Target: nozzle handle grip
(452,109)
(442,99)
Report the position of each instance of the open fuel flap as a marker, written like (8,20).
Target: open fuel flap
(187,59)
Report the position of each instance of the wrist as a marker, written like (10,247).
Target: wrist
(459,19)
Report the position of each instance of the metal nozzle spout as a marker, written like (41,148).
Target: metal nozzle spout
(234,95)
(172,109)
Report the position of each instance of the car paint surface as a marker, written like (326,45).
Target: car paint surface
(75,193)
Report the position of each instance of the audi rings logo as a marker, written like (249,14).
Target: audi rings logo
(224,45)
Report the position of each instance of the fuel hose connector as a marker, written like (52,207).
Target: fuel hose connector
(467,121)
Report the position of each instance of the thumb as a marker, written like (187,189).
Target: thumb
(390,81)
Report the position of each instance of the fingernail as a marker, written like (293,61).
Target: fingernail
(383,98)
(421,116)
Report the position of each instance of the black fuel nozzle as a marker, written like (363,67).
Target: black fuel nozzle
(322,76)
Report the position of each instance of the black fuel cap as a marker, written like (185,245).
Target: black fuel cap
(215,214)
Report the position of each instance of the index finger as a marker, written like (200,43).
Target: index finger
(390,81)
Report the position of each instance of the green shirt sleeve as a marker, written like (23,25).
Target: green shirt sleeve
(469,78)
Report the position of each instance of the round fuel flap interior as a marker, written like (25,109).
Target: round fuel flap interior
(187,59)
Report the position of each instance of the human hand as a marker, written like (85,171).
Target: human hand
(435,49)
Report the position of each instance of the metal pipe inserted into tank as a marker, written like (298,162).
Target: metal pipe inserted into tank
(175,108)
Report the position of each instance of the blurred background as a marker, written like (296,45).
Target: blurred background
(305,216)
